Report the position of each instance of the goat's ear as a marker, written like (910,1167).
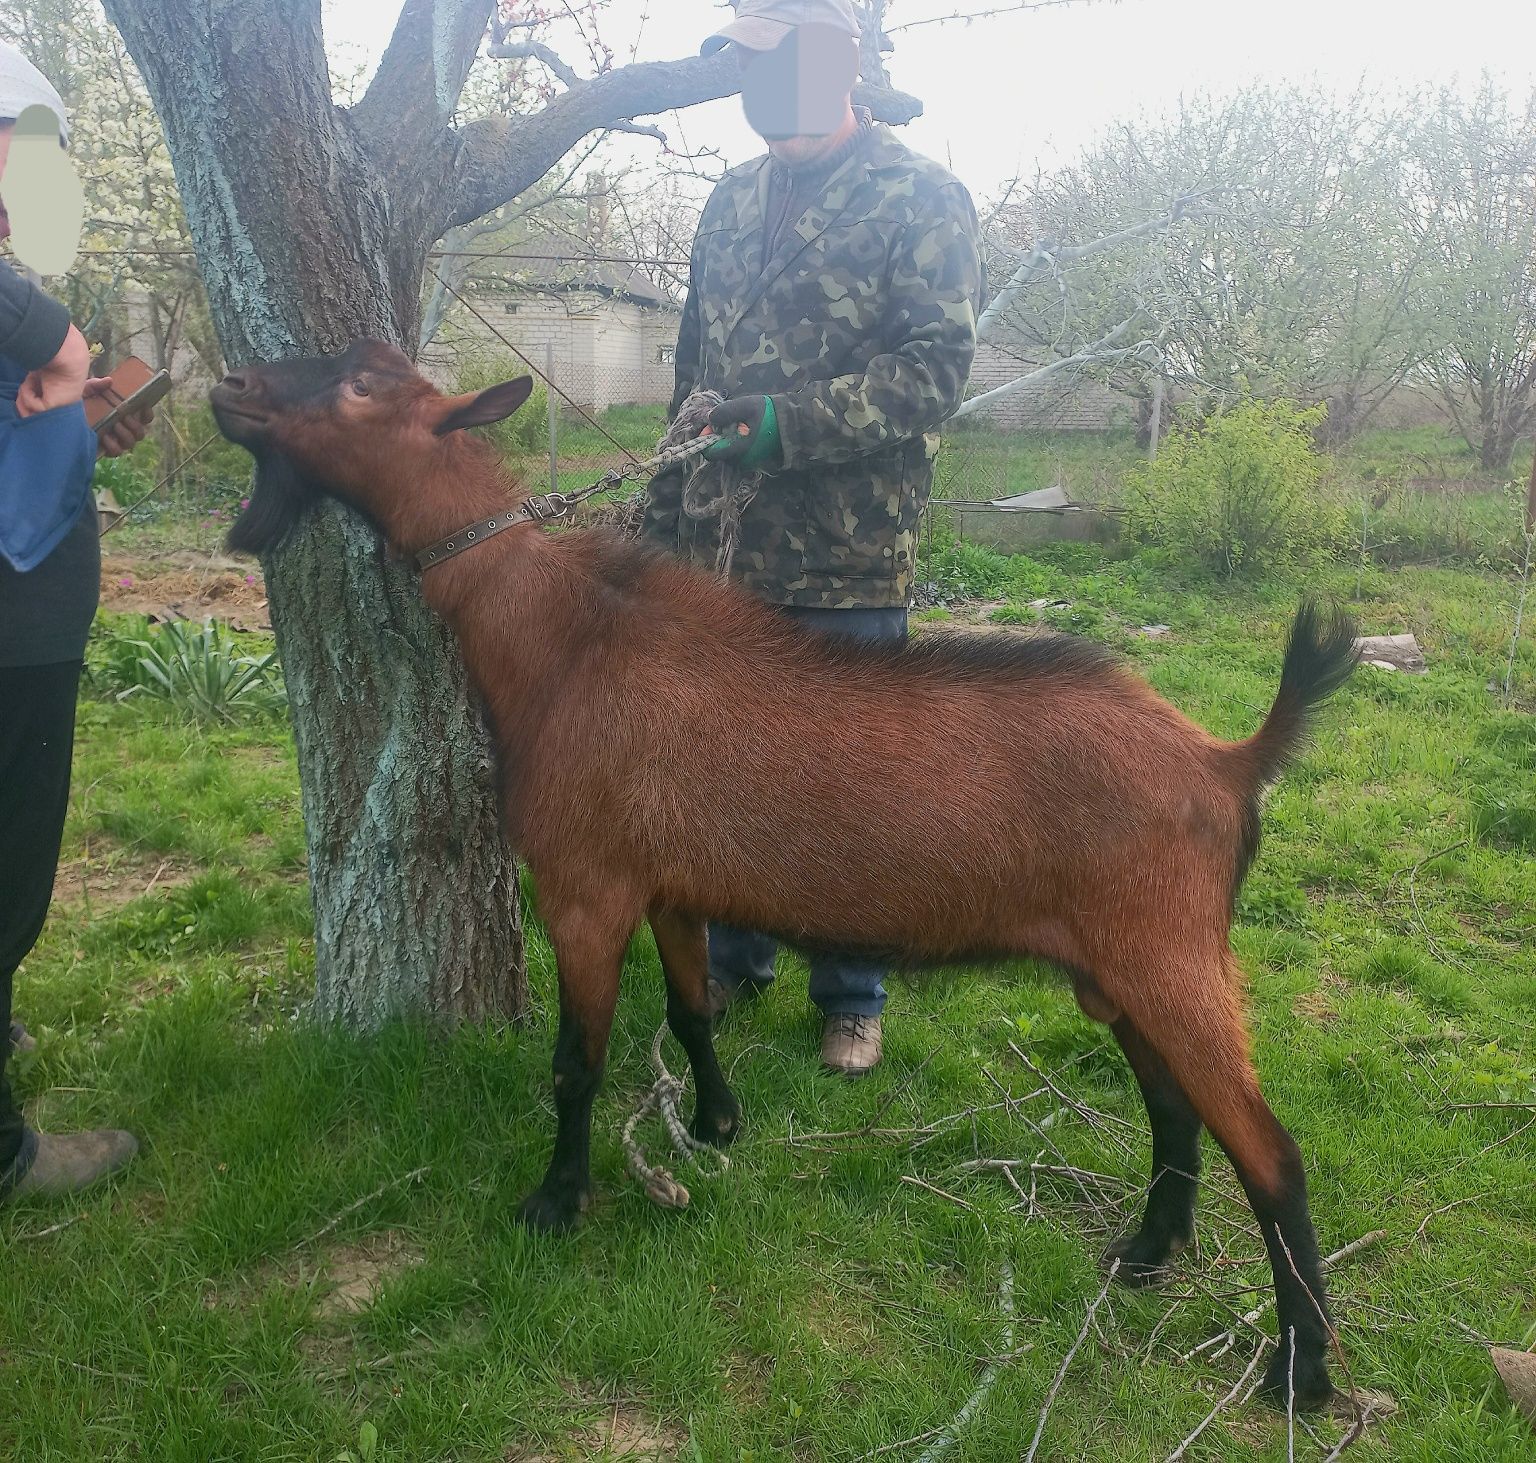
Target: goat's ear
(480,408)
(278,499)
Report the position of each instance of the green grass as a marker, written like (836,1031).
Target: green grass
(810,1304)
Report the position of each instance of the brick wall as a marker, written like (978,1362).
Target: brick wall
(607,352)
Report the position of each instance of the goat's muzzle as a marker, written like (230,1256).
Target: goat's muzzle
(238,408)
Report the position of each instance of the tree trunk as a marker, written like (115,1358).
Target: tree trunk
(1155,418)
(303,247)
(1498,447)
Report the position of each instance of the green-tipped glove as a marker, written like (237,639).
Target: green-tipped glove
(748,428)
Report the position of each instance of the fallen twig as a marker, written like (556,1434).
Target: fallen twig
(1211,1416)
(1356,1428)
(948,1436)
(1478,1106)
(923,1132)
(1413,894)
(1290,1399)
(54,1228)
(357,1204)
(1443,1209)
(908,1178)
(1066,1361)
(1090,1115)
(1228,1339)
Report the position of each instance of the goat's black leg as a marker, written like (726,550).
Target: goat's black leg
(1301,1303)
(1169,1221)
(1191,1019)
(682,944)
(589,987)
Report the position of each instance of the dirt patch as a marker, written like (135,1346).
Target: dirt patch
(186,584)
(1318,1005)
(353,1275)
(105,877)
(626,1431)
(346,1279)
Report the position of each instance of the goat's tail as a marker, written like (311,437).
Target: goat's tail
(1319,657)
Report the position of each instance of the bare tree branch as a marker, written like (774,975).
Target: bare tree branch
(641,129)
(1048,256)
(1101,352)
(499,157)
(417,85)
(966,16)
(538,51)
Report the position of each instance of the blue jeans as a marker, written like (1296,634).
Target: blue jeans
(841,984)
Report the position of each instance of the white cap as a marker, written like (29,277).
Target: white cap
(22,85)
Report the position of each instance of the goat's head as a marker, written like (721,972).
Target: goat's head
(363,426)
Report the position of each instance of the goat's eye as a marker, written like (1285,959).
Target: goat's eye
(360,387)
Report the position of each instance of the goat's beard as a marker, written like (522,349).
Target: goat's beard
(279,499)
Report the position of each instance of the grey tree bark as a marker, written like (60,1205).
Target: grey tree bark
(312,225)
(303,247)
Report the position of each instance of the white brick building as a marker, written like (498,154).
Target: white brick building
(612,332)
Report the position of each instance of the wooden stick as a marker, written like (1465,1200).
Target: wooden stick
(54,1228)
(1061,1374)
(1210,1417)
(948,1436)
(357,1204)
(1444,1208)
(1290,1400)
(1249,1317)
(1355,1430)
(907,1178)
(1479,1106)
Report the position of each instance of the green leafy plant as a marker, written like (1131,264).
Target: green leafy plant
(112,653)
(201,671)
(119,476)
(526,432)
(1240,492)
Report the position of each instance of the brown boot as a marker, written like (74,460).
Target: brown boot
(850,1044)
(21,1039)
(62,1163)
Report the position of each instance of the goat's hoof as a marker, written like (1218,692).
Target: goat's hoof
(717,1127)
(557,1211)
(1308,1383)
(1145,1261)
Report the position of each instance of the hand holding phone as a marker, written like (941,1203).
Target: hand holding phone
(120,406)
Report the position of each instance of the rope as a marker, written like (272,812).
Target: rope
(581,411)
(662,1099)
(196,452)
(712,489)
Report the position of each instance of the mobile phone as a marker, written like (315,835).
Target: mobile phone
(136,388)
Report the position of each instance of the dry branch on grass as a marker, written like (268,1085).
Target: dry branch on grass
(352,1208)
(1183,1449)
(1066,1361)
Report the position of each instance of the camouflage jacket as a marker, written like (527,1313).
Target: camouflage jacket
(862,327)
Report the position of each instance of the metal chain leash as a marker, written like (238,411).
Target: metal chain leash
(558,505)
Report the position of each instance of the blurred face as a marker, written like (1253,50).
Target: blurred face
(798,96)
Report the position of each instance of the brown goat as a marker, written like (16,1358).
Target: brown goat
(673,751)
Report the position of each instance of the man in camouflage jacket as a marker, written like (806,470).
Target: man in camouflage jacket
(833,293)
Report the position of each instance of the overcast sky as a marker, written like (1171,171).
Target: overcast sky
(1006,94)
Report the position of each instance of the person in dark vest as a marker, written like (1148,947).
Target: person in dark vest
(833,294)
(49,582)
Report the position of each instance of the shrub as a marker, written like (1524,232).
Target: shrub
(199,670)
(526,432)
(123,479)
(1240,492)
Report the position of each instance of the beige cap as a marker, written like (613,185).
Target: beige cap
(761,24)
